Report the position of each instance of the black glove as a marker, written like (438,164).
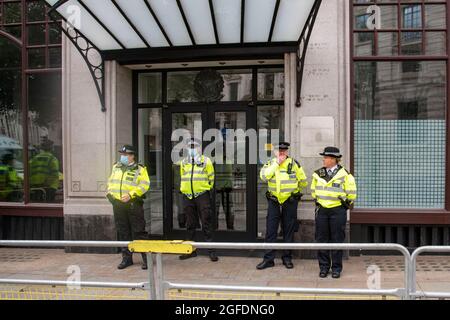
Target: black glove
(111,198)
(345,203)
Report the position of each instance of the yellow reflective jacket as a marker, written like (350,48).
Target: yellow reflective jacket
(132,180)
(9,181)
(197,176)
(327,192)
(44,171)
(283,180)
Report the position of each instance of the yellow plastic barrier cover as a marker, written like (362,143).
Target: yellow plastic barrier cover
(161,246)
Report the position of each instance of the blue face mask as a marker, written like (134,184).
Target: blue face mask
(192,153)
(124,160)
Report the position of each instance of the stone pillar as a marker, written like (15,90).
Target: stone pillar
(91,139)
(323,118)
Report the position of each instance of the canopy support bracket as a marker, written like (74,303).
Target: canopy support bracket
(302,49)
(90,53)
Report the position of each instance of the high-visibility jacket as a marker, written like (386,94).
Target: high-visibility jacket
(327,191)
(283,180)
(9,181)
(44,171)
(197,176)
(132,180)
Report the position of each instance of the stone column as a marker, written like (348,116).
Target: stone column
(323,118)
(91,140)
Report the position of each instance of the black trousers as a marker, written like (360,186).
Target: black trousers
(287,215)
(199,207)
(330,228)
(130,223)
(224,196)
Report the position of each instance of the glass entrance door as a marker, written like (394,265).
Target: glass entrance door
(222,131)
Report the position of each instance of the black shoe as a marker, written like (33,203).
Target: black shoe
(188,256)
(288,264)
(213,257)
(323,274)
(144,265)
(265,264)
(336,275)
(125,264)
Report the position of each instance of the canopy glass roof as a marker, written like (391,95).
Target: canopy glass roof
(135,24)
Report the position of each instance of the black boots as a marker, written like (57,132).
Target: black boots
(126,262)
(188,256)
(144,265)
(213,256)
(265,264)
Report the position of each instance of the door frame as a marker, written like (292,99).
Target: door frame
(208,112)
(251,106)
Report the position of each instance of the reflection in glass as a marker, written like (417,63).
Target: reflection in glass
(12,12)
(36,58)
(230,176)
(269,117)
(270,84)
(35,11)
(150,155)
(364,44)
(11,154)
(400,110)
(36,34)
(150,88)
(185,121)
(209,85)
(45,138)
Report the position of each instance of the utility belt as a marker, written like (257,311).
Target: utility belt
(345,203)
(196,195)
(131,202)
(295,197)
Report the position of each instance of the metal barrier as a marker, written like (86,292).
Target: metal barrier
(414,256)
(67,290)
(402,292)
(157,285)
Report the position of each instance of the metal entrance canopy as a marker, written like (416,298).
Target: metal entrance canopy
(149,31)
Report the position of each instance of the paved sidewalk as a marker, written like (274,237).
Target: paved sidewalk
(52,264)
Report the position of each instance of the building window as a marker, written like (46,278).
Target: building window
(412,16)
(40,152)
(400,107)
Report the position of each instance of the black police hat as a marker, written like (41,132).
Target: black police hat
(283,146)
(193,143)
(127,149)
(331,152)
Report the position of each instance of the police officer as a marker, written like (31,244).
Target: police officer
(10,182)
(286,179)
(334,190)
(127,186)
(44,173)
(197,181)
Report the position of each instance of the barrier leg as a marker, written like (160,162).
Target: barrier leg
(412,277)
(151,276)
(408,274)
(159,277)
